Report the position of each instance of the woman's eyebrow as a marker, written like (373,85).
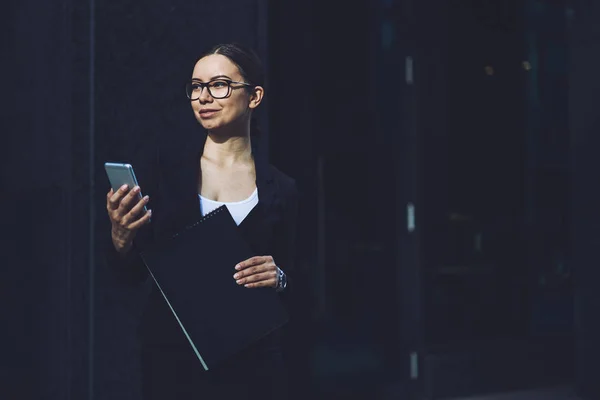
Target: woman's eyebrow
(213,78)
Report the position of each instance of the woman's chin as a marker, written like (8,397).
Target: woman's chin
(209,125)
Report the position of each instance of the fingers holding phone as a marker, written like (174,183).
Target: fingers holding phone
(127,212)
(135,207)
(127,207)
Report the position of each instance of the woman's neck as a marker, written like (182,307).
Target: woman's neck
(227,151)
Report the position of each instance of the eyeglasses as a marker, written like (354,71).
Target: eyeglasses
(218,89)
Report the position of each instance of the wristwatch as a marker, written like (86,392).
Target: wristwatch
(281,280)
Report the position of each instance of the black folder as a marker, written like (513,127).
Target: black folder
(194,271)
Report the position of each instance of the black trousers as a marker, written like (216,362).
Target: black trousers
(174,372)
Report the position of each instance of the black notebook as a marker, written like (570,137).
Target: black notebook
(194,271)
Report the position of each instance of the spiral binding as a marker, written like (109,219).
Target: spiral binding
(201,220)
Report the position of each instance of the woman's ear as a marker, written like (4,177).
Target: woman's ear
(256,96)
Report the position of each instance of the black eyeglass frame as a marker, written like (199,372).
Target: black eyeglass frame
(207,86)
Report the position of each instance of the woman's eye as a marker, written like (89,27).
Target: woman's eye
(196,87)
(219,84)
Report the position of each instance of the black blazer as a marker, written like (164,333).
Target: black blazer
(270,229)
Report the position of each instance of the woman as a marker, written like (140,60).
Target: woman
(225,89)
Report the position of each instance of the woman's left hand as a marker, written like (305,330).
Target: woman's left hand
(256,272)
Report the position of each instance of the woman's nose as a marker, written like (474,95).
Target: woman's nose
(205,96)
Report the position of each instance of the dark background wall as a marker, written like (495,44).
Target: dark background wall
(583,91)
(45,195)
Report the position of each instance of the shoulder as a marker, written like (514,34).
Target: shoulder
(285,183)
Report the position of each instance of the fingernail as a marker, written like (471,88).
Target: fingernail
(146,198)
(238,282)
(150,212)
(236,276)
(247,285)
(124,187)
(238,267)
(136,189)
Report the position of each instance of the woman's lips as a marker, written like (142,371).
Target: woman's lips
(207,113)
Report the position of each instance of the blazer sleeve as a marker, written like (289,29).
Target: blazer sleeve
(128,268)
(288,239)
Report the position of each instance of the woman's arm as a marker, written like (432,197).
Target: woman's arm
(129,267)
(125,236)
(122,252)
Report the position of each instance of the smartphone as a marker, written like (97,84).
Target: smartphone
(121,174)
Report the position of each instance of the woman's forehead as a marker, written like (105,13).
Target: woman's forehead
(215,65)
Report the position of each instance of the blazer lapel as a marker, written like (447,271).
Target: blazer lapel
(179,198)
(265,182)
(257,227)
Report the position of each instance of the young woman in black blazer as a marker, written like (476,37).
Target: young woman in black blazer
(225,88)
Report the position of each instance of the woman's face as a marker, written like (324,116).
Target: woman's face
(217,113)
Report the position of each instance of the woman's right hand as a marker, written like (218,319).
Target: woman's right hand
(126,215)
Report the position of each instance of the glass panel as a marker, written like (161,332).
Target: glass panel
(495,250)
